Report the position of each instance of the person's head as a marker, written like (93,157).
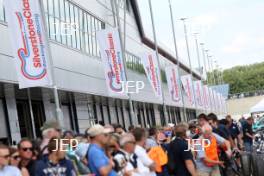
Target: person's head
(99,134)
(119,129)
(153,132)
(14,156)
(207,131)
(68,136)
(25,148)
(51,129)
(4,155)
(212,119)
(192,128)
(229,118)
(180,131)
(127,143)
(202,119)
(140,136)
(56,149)
(250,120)
(131,128)
(112,145)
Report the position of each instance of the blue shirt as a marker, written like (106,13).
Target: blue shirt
(98,159)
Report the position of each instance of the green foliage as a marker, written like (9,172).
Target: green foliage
(245,78)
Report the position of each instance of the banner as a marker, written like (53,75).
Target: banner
(188,88)
(29,43)
(206,96)
(198,89)
(150,64)
(111,54)
(174,85)
(212,101)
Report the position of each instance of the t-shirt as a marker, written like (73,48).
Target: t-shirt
(44,167)
(98,159)
(200,154)
(234,130)
(177,150)
(222,131)
(10,171)
(247,129)
(144,158)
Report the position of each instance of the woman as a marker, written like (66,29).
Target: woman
(15,160)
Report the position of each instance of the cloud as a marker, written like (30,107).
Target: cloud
(238,44)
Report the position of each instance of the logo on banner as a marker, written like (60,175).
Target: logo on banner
(115,65)
(31,55)
(153,72)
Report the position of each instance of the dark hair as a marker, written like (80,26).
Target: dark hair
(23,140)
(52,146)
(180,131)
(212,117)
(117,126)
(12,150)
(152,131)
(131,128)
(2,146)
(68,132)
(223,122)
(101,123)
(139,133)
(202,116)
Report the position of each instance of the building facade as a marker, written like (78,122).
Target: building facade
(79,73)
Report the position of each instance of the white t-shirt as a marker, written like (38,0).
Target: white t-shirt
(10,171)
(144,158)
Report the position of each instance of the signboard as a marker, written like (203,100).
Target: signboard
(150,64)
(174,84)
(188,88)
(29,43)
(112,58)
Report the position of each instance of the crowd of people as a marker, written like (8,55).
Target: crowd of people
(201,148)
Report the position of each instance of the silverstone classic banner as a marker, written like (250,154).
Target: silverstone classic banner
(29,43)
(188,88)
(174,84)
(151,68)
(198,89)
(111,54)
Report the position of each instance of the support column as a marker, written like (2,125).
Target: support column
(157,115)
(10,98)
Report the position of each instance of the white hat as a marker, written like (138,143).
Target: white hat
(97,130)
(125,138)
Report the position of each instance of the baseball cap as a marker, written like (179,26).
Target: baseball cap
(50,124)
(97,130)
(125,138)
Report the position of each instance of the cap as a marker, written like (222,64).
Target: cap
(50,124)
(81,150)
(97,130)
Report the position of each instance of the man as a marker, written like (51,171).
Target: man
(25,149)
(140,137)
(50,129)
(234,131)
(152,139)
(207,160)
(6,170)
(54,163)
(119,129)
(180,159)
(126,160)
(248,135)
(98,161)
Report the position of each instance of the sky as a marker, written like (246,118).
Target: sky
(232,30)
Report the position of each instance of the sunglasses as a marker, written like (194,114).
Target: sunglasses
(27,149)
(5,156)
(16,157)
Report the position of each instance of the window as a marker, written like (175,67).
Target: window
(2,11)
(72,26)
(134,63)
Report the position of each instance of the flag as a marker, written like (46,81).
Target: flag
(29,42)
(188,88)
(198,94)
(174,85)
(112,58)
(206,100)
(150,64)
